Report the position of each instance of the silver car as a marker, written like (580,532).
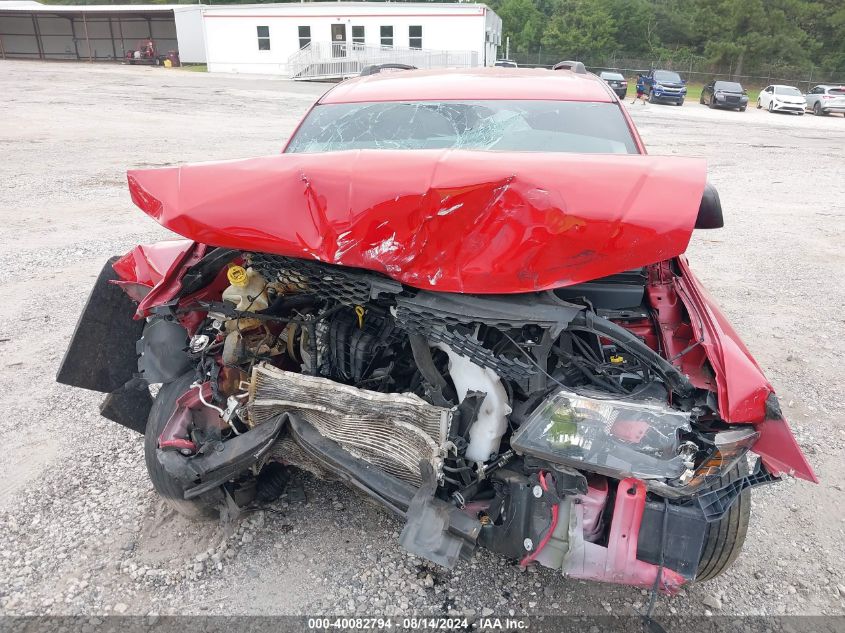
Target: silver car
(823,99)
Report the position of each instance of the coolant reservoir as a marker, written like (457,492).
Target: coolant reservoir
(486,433)
(248,289)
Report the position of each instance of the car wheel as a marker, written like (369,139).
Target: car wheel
(680,103)
(759,105)
(651,97)
(771,108)
(817,109)
(171,490)
(712,103)
(742,109)
(723,539)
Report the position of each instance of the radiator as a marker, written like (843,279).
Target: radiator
(391,431)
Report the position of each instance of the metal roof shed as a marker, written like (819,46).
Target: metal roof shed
(30,30)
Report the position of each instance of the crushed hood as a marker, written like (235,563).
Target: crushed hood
(450,220)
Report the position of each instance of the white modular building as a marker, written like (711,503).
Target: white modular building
(331,39)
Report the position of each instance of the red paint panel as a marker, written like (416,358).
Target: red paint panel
(448,220)
(148,264)
(741,387)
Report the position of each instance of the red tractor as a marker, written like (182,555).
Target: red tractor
(147,53)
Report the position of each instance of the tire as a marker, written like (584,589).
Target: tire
(759,105)
(651,97)
(712,104)
(771,107)
(723,540)
(742,109)
(680,103)
(817,109)
(170,489)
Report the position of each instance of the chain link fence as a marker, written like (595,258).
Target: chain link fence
(697,69)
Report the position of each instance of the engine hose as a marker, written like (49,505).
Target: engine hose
(588,322)
(424,361)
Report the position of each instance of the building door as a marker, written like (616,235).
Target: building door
(338,40)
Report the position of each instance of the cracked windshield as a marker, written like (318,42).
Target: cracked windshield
(517,126)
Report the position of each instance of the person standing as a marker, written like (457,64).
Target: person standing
(640,89)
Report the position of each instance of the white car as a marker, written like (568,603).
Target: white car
(777,98)
(823,99)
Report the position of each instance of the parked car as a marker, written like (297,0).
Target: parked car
(616,81)
(665,86)
(724,94)
(434,296)
(823,100)
(779,98)
(505,63)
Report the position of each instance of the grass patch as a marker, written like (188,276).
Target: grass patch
(195,68)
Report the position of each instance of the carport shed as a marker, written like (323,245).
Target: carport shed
(30,30)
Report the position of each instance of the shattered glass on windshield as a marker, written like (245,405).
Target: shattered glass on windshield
(517,126)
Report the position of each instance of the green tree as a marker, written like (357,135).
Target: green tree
(637,25)
(580,29)
(523,22)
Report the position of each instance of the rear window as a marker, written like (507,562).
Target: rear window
(495,125)
(727,86)
(836,91)
(614,76)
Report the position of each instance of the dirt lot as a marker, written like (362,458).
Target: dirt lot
(82,531)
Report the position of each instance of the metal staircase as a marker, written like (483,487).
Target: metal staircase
(339,60)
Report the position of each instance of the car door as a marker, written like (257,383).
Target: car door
(813,96)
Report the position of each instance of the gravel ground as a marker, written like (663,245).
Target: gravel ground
(83,532)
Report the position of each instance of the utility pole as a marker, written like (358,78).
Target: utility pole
(508,47)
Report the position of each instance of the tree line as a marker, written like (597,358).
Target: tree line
(743,35)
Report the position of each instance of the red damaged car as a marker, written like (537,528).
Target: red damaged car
(463,293)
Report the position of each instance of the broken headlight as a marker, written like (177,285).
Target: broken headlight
(613,437)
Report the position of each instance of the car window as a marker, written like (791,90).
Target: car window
(728,86)
(788,91)
(667,75)
(613,76)
(836,91)
(503,125)
(768,89)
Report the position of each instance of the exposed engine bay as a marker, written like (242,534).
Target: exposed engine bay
(531,424)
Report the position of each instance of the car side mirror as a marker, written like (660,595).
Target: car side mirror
(710,210)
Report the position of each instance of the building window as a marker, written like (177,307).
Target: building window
(415,36)
(387,36)
(263,38)
(358,35)
(304,36)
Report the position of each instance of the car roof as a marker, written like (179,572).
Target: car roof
(782,86)
(471,84)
